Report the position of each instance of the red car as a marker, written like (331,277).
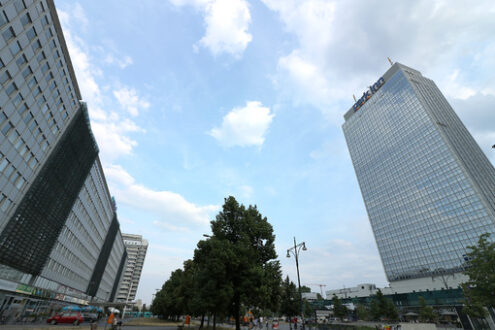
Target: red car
(66,317)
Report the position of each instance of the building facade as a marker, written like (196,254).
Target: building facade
(136,248)
(427,186)
(59,234)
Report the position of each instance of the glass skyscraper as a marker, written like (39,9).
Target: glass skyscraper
(427,186)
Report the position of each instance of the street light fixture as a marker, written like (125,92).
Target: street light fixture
(295,250)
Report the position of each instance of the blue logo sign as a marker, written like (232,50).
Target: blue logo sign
(366,95)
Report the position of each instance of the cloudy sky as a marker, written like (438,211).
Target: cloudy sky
(195,100)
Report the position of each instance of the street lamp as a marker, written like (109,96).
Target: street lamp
(295,250)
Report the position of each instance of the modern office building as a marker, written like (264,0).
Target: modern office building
(59,235)
(427,186)
(136,248)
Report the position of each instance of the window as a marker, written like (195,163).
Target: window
(49,77)
(32,82)
(26,19)
(5,203)
(17,99)
(45,67)
(11,89)
(8,34)
(48,33)
(27,118)
(23,108)
(3,19)
(5,77)
(21,61)
(33,125)
(15,48)
(36,91)
(19,6)
(3,118)
(7,128)
(40,8)
(27,72)
(41,56)
(36,46)
(4,162)
(45,21)
(53,44)
(31,34)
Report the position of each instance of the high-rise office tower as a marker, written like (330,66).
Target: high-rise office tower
(136,248)
(59,233)
(427,186)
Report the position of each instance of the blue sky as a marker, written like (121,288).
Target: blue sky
(195,100)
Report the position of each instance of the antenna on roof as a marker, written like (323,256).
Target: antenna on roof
(354,96)
(389,61)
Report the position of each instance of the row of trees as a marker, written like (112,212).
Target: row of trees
(234,268)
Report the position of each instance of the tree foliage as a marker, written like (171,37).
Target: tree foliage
(254,273)
(479,290)
(339,309)
(362,312)
(426,313)
(289,300)
(235,267)
(382,308)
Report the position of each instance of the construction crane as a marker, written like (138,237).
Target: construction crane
(321,287)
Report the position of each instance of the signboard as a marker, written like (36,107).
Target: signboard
(367,94)
(22,288)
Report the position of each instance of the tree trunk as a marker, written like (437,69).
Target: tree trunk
(202,321)
(237,308)
(209,317)
(214,321)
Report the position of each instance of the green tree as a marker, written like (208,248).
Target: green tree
(254,274)
(362,312)
(166,303)
(319,297)
(289,302)
(380,307)
(479,290)
(307,308)
(426,313)
(305,289)
(214,291)
(339,309)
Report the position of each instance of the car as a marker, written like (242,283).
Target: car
(90,317)
(66,317)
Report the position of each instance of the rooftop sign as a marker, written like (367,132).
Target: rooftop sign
(367,94)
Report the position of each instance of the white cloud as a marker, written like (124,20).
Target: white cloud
(227,23)
(342,47)
(174,212)
(245,126)
(129,99)
(110,128)
(121,62)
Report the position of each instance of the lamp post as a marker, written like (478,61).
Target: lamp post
(295,250)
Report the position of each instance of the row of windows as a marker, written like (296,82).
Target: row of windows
(11,173)
(72,258)
(82,230)
(64,271)
(67,237)
(5,203)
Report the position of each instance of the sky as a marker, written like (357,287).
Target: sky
(192,101)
